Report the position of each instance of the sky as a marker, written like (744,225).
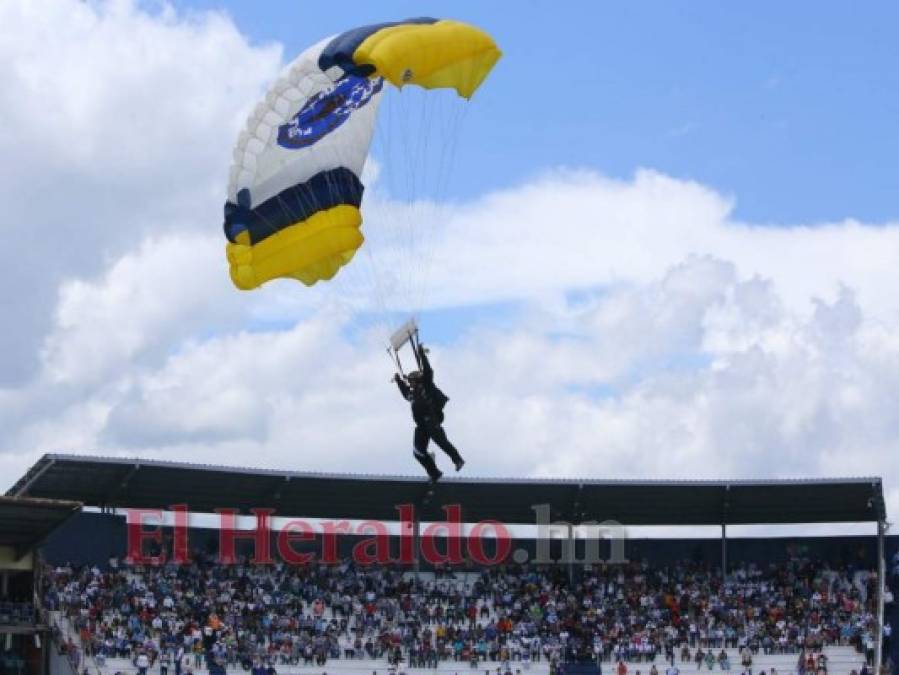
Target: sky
(789,109)
(663,244)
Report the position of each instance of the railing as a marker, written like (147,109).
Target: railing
(67,657)
(64,657)
(16,613)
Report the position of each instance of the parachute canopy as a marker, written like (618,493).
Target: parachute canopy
(295,185)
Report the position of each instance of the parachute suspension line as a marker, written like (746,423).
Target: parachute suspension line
(395,358)
(416,348)
(418,223)
(389,229)
(385,252)
(423,225)
(404,198)
(405,244)
(455,125)
(399,253)
(420,153)
(445,136)
(401,196)
(437,140)
(374,266)
(415,222)
(409,222)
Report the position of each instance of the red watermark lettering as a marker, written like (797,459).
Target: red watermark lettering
(137,535)
(362,553)
(260,535)
(374,549)
(453,528)
(476,544)
(295,531)
(330,554)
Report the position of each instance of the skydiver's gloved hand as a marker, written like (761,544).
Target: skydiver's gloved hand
(397,378)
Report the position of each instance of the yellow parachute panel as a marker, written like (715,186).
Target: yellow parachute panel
(447,54)
(311,250)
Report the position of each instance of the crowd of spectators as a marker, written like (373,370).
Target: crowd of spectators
(181,617)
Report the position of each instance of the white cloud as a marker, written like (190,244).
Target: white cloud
(652,335)
(145,300)
(582,229)
(696,374)
(114,126)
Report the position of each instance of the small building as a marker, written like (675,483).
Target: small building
(26,644)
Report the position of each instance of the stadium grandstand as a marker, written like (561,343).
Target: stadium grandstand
(193,597)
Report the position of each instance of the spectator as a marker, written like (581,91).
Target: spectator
(244,614)
(723,660)
(142,662)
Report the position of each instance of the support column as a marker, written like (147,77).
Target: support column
(46,646)
(724,551)
(881,578)
(416,545)
(572,553)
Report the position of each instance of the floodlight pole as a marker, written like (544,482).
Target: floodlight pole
(881,574)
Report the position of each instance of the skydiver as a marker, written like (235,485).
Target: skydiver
(427,411)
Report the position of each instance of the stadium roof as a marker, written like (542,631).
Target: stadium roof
(115,482)
(26,521)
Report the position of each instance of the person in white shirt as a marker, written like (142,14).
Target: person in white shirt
(143,663)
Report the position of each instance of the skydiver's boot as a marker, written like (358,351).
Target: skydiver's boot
(427,461)
(454,455)
(439,436)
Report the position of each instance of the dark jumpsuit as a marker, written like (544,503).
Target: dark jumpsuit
(427,412)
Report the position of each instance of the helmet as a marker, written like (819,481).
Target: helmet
(414,377)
